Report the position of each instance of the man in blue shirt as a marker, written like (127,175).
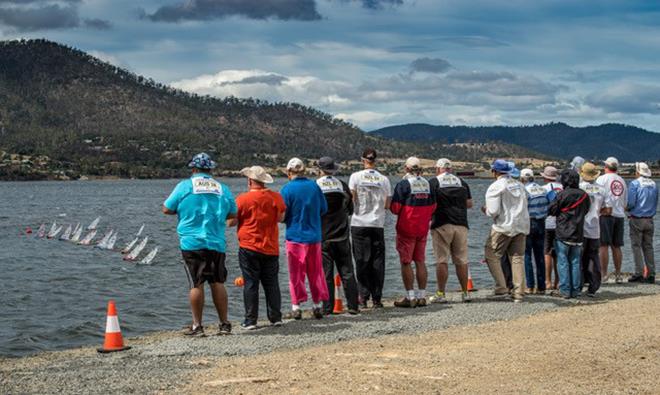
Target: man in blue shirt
(305,204)
(203,205)
(642,206)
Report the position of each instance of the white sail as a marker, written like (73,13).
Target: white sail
(130,245)
(42,231)
(77,233)
(139,233)
(111,242)
(150,257)
(137,250)
(53,227)
(67,233)
(104,241)
(94,224)
(88,239)
(54,234)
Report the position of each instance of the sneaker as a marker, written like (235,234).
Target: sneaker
(618,279)
(517,298)
(197,331)
(406,303)
(439,297)
(362,302)
(297,314)
(378,305)
(421,302)
(591,294)
(465,297)
(353,311)
(636,279)
(248,326)
(540,291)
(650,280)
(224,328)
(318,314)
(277,323)
(530,291)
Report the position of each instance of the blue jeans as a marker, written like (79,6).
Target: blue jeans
(568,268)
(534,248)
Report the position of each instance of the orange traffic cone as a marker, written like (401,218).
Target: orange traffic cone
(339,303)
(239,281)
(113,339)
(470,284)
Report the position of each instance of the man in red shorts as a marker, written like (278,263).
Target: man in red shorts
(414,204)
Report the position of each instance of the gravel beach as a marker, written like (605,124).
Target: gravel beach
(167,362)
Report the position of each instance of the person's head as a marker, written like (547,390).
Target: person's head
(369,158)
(443,165)
(527,175)
(257,177)
(550,174)
(201,163)
(569,178)
(589,172)
(577,163)
(327,166)
(295,168)
(611,165)
(413,166)
(500,167)
(643,170)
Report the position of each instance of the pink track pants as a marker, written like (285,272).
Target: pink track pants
(306,259)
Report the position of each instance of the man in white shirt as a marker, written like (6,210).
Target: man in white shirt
(371,197)
(591,244)
(506,204)
(611,226)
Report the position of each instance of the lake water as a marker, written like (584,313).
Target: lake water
(54,293)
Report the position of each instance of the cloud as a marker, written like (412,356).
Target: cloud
(98,24)
(34,15)
(268,79)
(202,10)
(473,41)
(428,65)
(377,4)
(627,97)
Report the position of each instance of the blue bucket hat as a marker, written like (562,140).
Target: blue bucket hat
(515,172)
(501,166)
(202,161)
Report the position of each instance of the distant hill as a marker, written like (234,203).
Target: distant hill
(65,112)
(627,143)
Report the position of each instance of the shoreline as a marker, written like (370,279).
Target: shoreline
(166,361)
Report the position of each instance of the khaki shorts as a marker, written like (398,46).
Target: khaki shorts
(450,240)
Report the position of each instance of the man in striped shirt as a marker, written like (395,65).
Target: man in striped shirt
(537,206)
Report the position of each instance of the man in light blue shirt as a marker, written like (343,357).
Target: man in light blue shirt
(537,206)
(203,205)
(642,206)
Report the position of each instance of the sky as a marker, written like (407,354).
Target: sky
(381,62)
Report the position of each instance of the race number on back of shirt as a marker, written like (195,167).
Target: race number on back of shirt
(371,179)
(419,186)
(203,185)
(329,184)
(448,181)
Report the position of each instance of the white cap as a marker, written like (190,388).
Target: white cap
(413,163)
(296,165)
(443,163)
(527,173)
(643,169)
(612,162)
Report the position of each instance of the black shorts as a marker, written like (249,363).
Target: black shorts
(205,265)
(549,244)
(611,231)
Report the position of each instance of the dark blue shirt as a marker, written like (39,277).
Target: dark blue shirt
(305,204)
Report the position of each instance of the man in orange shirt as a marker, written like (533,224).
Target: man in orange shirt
(259,212)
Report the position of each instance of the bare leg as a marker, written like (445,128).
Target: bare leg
(554,265)
(422,275)
(617,257)
(196,297)
(462,274)
(220,300)
(408,277)
(604,260)
(441,274)
(548,271)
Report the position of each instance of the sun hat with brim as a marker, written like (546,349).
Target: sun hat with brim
(589,172)
(328,165)
(202,161)
(643,169)
(550,173)
(501,166)
(295,165)
(257,173)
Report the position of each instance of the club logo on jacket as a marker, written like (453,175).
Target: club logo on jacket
(617,188)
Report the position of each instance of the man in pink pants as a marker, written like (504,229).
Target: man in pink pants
(305,204)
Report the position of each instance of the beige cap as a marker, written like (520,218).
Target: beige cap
(295,165)
(612,162)
(643,169)
(527,173)
(443,163)
(257,173)
(413,163)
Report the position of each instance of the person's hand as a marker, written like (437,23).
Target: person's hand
(483,209)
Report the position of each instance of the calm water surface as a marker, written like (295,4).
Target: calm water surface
(54,293)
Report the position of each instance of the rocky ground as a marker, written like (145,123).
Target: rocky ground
(610,344)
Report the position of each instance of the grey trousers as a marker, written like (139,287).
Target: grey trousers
(641,239)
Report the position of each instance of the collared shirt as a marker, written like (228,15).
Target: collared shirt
(592,220)
(537,201)
(202,205)
(643,197)
(336,222)
(372,189)
(616,194)
(305,204)
(506,204)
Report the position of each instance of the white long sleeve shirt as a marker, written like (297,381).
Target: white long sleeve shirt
(506,204)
